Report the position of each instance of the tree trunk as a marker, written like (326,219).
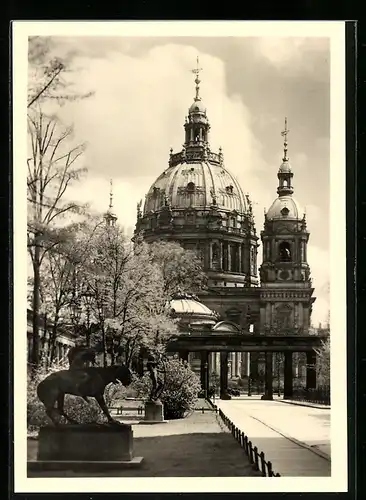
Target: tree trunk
(36,306)
(104,347)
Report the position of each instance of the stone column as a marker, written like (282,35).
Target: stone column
(239,259)
(242,253)
(238,364)
(223,374)
(221,255)
(311,370)
(210,255)
(287,389)
(229,256)
(224,256)
(204,370)
(268,392)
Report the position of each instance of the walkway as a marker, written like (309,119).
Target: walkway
(295,438)
(197,446)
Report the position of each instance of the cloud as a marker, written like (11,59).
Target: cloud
(296,55)
(137,114)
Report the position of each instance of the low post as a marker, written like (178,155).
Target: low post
(251,459)
(256,458)
(269,468)
(263,463)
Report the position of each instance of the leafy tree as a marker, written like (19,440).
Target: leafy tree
(181,269)
(180,387)
(323,363)
(129,300)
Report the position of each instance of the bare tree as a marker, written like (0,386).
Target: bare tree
(48,77)
(52,168)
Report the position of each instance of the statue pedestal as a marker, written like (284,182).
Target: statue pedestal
(85,447)
(154,413)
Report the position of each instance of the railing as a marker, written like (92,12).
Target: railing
(119,409)
(319,396)
(256,458)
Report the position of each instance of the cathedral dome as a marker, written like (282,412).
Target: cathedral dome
(197,184)
(284,207)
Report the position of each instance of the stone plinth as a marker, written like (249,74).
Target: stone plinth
(90,446)
(154,413)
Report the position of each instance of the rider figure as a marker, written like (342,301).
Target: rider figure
(80,356)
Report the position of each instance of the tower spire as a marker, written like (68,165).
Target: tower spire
(285,143)
(111,195)
(110,217)
(285,174)
(197,80)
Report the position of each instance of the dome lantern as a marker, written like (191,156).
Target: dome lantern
(285,174)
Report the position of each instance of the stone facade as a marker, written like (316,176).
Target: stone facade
(64,339)
(197,202)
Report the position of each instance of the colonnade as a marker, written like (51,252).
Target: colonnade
(231,257)
(209,360)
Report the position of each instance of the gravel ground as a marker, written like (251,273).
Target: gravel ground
(197,446)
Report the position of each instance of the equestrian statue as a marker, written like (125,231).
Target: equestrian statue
(80,380)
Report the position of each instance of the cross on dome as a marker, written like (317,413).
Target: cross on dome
(284,134)
(197,80)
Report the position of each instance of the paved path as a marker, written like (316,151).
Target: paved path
(295,438)
(196,446)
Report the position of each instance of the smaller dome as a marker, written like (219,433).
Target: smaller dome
(190,307)
(285,167)
(284,207)
(197,107)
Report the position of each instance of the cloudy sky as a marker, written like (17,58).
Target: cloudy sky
(143,88)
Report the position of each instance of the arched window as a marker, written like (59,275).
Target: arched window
(191,186)
(285,251)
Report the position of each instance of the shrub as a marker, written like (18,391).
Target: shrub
(180,390)
(74,406)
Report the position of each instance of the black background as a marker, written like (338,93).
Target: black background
(356,201)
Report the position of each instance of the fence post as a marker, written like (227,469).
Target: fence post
(270,470)
(251,459)
(263,464)
(246,444)
(256,464)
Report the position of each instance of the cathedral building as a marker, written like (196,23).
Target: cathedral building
(197,202)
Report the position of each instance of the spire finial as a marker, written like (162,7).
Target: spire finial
(197,80)
(284,134)
(111,195)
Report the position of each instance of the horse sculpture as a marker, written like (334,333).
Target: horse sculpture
(83,382)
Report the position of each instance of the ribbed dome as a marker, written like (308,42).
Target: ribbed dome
(193,184)
(284,207)
(191,307)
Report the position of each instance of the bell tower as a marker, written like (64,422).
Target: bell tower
(196,125)
(286,286)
